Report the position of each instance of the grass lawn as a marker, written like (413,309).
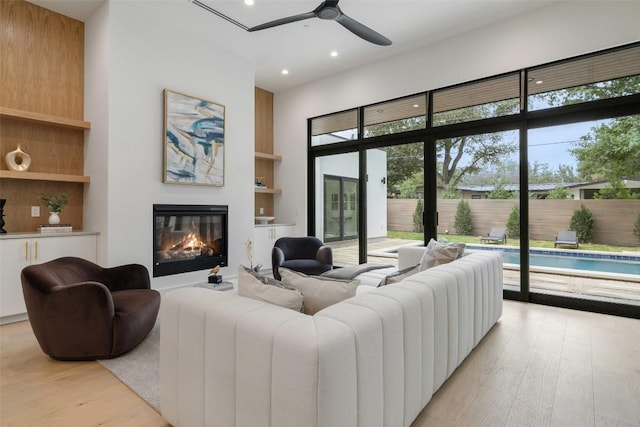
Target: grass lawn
(510,242)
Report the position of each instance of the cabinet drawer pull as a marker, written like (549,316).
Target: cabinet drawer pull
(26,251)
(36,249)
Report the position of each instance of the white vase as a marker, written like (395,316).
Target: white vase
(54,218)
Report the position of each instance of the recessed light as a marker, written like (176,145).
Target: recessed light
(416,105)
(539,82)
(285,71)
(334,53)
(248,2)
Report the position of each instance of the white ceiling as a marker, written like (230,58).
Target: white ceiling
(304,47)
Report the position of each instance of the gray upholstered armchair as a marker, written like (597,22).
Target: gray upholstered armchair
(81,311)
(307,255)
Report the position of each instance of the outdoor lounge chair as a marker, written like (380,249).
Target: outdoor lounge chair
(496,235)
(566,238)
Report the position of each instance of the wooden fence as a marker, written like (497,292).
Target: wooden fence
(613,219)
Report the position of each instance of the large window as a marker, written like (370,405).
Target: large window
(539,154)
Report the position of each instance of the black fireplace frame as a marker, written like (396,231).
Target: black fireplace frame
(198,263)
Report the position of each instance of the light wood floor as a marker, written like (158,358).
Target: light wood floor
(538,366)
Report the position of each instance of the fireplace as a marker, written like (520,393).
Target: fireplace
(189,238)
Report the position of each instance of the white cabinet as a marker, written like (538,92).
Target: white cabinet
(264,236)
(18,252)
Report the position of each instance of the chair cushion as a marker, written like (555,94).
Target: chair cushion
(136,311)
(306,266)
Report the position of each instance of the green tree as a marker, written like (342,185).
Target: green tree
(451,193)
(559,192)
(615,189)
(463,223)
(583,224)
(418,226)
(404,162)
(479,151)
(499,192)
(636,228)
(610,151)
(513,223)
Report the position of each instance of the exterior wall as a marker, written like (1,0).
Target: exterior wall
(614,219)
(346,165)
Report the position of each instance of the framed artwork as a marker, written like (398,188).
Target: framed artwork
(193,140)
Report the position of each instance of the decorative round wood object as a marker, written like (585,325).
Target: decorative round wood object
(18,160)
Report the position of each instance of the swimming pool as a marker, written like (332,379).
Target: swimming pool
(619,264)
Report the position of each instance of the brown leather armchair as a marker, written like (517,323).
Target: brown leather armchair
(81,311)
(307,255)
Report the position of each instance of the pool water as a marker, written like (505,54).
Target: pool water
(574,263)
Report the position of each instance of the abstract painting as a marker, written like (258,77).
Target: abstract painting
(193,140)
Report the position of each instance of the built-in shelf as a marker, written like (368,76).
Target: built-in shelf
(39,176)
(269,190)
(268,156)
(43,118)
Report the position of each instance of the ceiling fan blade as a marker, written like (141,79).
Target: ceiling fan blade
(282,21)
(362,30)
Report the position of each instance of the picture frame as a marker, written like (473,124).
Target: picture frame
(194,140)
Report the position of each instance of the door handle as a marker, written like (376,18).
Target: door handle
(26,251)
(36,246)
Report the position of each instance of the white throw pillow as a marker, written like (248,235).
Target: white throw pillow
(437,254)
(252,287)
(399,275)
(460,245)
(318,291)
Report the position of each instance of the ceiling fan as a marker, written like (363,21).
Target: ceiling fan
(329,10)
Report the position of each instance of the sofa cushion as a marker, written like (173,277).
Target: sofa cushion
(252,285)
(319,292)
(399,275)
(437,254)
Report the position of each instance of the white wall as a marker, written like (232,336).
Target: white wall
(346,166)
(174,50)
(559,31)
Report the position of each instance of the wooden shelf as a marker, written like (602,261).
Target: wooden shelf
(39,176)
(269,190)
(268,156)
(43,118)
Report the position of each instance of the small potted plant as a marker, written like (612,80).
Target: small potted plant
(55,205)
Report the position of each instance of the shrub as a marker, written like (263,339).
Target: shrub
(582,223)
(513,223)
(463,223)
(418,226)
(558,193)
(636,229)
(499,192)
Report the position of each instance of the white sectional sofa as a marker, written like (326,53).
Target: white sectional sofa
(371,360)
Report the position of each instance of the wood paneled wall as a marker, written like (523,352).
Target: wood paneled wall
(41,71)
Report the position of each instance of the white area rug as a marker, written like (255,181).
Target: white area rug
(139,369)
